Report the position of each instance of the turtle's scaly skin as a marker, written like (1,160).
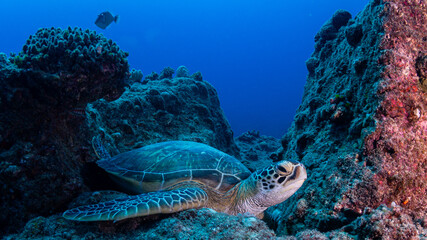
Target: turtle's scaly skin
(141,205)
(178,175)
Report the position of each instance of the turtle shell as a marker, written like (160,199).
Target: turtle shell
(162,166)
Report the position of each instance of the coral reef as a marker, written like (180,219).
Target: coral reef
(182,71)
(361,128)
(257,151)
(197,76)
(167,72)
(47,123)
(160,110)
(394,222)
(190,224)
(135,76)
(77,65)
(41,114)
(361,132)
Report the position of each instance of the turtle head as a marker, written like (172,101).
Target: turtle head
(277,182)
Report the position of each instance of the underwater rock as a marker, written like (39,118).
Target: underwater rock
(421,66)
(361,129)
(257,151)
(167,72)
(340,18)
(42,100)
(191,224)
(135,76)
(46,158)
(74,66)
(182,71)
(354,34)
(47,124)
(46,154)
(311,64)
(152,76)
(162,110)
(394,222)
(197,76)
(329,32)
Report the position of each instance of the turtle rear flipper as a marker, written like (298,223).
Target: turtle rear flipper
(140,205)
(99,148)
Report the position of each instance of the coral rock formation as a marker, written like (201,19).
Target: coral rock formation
(47,123)
(81,64)
(42,97)
(190,224)
(361,129)
(158,110)
(257,151)
(46,128)
(361,132)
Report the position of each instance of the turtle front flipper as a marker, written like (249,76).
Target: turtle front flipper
(140,205)
(100,151)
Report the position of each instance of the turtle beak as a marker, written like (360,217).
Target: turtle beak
(297,178)
(302,172)
(291,166)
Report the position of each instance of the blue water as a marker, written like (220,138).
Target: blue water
(252,52)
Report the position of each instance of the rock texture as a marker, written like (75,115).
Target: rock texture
(162,109)
(257,151)
(47,123)
(42,145)
(190,224)
(78,65)
(361,129)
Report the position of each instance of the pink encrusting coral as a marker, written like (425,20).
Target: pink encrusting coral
(361,129)
(399,143)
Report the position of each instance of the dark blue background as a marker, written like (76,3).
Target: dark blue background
(252,52)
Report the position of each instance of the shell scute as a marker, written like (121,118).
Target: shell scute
(161,166)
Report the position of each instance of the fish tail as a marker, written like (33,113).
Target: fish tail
(116,18)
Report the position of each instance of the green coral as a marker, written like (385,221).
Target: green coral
(18,60)
(337,96)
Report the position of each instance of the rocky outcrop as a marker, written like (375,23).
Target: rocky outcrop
(43,92)
(161,109)
(361,129)
(191,224)
(78,66)
(47,123)
(257,151)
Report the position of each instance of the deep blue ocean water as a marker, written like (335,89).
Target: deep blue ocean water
(252,52)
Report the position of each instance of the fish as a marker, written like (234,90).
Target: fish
(104,19)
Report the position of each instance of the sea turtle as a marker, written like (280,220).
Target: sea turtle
(177,175)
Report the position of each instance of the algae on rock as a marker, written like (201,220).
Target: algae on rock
(361,127)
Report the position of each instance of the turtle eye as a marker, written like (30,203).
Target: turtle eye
(283,170)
